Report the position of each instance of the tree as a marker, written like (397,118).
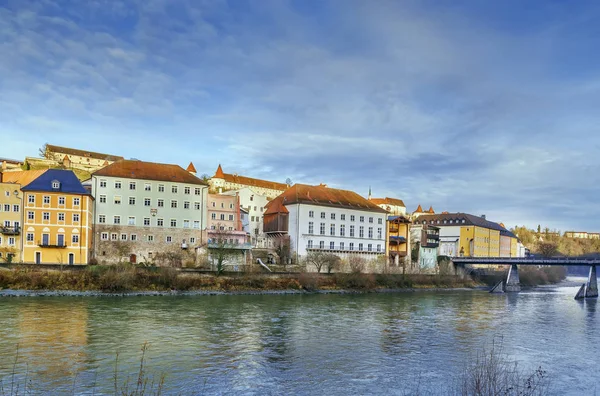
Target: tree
(356,263)
(220,247)
(539,229)
(332,262)
(320,259)
(282,246)
(43,151)
(547,249)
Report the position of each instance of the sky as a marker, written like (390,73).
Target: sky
(483,107)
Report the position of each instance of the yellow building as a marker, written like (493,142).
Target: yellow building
(57,217)
(11,205)
(397,239)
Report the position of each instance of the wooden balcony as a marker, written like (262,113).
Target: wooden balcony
(10,230)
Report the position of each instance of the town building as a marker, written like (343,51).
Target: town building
(319,218)
(11,220)
(463,234)
(254,205)
(419,212)
(57,217)
(225,229)
(144,209)
(10,164)
(222,182)
(425,240)
(393,206)
(398,241)
(582,235)
(81,159)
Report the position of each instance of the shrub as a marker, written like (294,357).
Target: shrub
(309,281)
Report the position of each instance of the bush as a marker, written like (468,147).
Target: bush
(309,281)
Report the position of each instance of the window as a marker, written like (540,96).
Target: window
(55,184)
(370,220)
(61,200)
(174,189)
(310,244)
(186,190)
(46,200)
(230,217)
(186,205)
(61,217)
(103,183)
(101,219)
(213,216)
(351,230)
(117,200)
(186,224)
(370,232)
(131,200)
(379,233)
(197,205)
(131,220)
(146,221)
(322,229)
(214,204)
(196,225)
(29,237)
(380,221)
(161,203)
(311,214)
(351,217)
(147,202)
(252,218)
(222,216)
(333,216)
(116,219)
(31,216)
(370,247)
(123,237)
(169,239)
(173,203)
(150,238)
(160,222)
(104,236)
(311,227)
(46,216)
(342,246)
(114,236)
(31,199)
(6,223)
(331,245)
(342,217)
(147,187)
(231,207)
(251,197)
(332,229)
(360,247)
(7,207)
(11,241)
(362,219)
(192,240)
(361,232)
(343,230)
(132,185)
(197,191)
(351,247)
(102,198)
(161,188)
(322,215)
(322,245)
(118,184)
(133,237)
(379,247)
(173,223)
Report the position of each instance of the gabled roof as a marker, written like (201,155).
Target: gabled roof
(323,196)
(275,206)
(431,210)
(388,201)
(457,219)
(191,168)
(419,209)
(22,177)
(133,169)
(249,181)
(82,153)
(68,182)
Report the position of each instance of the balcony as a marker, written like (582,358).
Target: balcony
(345,249)
(397,240)
(433,236)
(230,246)
(10,230)
(46,244)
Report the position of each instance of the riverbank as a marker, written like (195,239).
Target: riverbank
(131,280)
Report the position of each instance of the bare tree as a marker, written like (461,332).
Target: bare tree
(547,249)
(282,246)
(356,263)
(221,248)
(332,262)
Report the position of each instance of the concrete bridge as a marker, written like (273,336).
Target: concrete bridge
(512,283)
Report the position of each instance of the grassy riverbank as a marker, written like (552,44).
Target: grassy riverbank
(531,276)
(128,278)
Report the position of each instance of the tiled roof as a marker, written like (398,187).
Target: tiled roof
(457,219)
(275,206)
(22,177)
(82,153)
(323,196)
(419,209)
(133,169)
(248,181)
(388,201)
(191,168)
(69,183)
(431,210)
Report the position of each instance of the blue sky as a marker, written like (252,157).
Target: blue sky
(475,106)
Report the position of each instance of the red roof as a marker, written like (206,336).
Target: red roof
(419,209)
(388,201)
(249,181)
(323,196)
(191,168)
(431,210)
(133,169)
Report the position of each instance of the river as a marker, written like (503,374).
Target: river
(296,344)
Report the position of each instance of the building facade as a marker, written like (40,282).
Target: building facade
(222,182)
(393,206)
(143,209)
(255,205)
(82,159)
(319,218)
(425,240)
(398,241)
(11,220)
(57,217)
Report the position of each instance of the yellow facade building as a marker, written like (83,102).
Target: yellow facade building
(57,217)
(10,220)
(398,241)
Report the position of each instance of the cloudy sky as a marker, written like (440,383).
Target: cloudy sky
(486,107)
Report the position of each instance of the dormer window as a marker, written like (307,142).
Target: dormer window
(55,184)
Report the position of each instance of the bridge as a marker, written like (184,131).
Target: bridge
(512,283)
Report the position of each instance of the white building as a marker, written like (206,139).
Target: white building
(322,218)
(393,206)
(255,205)
(222,182)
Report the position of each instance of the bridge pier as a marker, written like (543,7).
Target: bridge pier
(513,284)
(590,287)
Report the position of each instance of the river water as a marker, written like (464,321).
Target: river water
(295,344)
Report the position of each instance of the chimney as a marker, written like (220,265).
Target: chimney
(483,217)
(3,165)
